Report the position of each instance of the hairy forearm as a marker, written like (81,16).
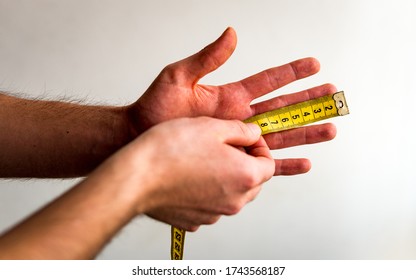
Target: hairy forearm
(57,139)
(76,226)
(79,223)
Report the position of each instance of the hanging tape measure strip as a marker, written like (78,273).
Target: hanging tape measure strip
(177,243)
(284,118)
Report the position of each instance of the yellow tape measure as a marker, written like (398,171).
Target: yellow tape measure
(302,113)
(177,243)
(284,118)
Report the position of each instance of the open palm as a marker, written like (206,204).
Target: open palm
(176,93)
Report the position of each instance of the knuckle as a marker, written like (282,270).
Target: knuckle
(213,219)
(172,73)
(248,178)
(233,208)
(192,228)
(169,70)
(253,194)
(207,60)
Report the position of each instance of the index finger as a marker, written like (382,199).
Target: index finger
(277,77)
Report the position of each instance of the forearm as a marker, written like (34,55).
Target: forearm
(57,139)
(79,223)
(209,178)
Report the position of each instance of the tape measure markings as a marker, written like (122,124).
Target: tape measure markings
(302,113)
(177,243)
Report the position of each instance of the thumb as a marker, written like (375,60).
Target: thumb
(211,57)
(237,133)
(248,135)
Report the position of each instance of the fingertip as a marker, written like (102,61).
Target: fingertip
(254,128)
(230,40)
(232,34)
(212,56)
(306,66)
(306,165)
(315,63)
(328,131)
(332,131)
(289,167)
(311,65)
(231,31)
(238,133)
(329,88)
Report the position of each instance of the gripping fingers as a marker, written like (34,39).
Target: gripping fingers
(237,133)
(263,163)
(187,219)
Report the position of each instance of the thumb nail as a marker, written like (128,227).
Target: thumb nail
(254,128)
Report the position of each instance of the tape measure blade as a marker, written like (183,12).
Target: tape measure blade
(302,113)
(177,243)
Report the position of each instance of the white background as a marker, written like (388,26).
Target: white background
(359,199)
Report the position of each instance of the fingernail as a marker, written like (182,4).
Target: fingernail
(254,128)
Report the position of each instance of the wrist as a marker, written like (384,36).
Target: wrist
(137,119)
(130,170)
(123,128)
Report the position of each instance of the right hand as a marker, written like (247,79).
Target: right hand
(196,171)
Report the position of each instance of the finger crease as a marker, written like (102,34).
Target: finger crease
(273,82)
(294,70)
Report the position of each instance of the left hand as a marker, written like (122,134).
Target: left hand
(176,93)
